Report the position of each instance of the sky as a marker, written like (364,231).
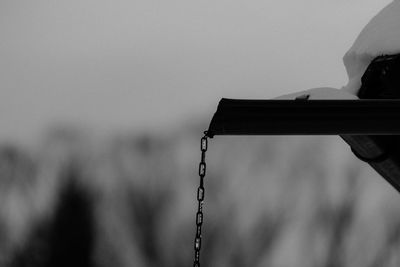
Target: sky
(149,65)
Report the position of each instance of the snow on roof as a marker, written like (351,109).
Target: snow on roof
(381,36)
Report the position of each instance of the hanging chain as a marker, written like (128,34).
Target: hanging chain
(200,199)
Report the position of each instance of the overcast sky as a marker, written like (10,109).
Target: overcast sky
(146,64)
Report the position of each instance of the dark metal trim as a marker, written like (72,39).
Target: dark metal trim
(370,127)
(311,117)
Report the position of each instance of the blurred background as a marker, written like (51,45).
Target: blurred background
(103,103)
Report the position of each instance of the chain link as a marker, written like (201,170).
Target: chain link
(200,199)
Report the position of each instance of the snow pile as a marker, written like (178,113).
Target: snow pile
(381,36)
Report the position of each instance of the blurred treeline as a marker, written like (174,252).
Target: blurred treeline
(130,201)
